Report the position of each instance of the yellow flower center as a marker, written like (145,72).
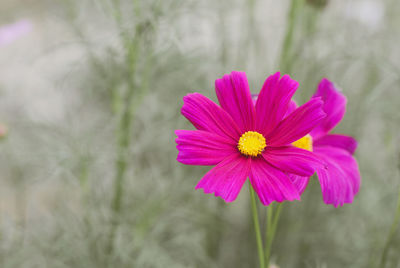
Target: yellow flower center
(251,143)
(304,143)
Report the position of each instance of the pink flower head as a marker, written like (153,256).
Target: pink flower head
(243,139)
(340,180)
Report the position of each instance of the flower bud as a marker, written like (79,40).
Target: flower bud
(3,131)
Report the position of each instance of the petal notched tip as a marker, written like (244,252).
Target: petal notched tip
(318,102)
(225,199)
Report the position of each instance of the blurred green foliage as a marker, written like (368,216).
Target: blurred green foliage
(92,97)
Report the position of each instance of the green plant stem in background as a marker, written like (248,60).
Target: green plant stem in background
(392,232)
(249,39)
(286,54)
(257,227)
(252,36)
(273,215)
(123,132)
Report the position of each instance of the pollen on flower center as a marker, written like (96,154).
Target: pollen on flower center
(304,143)
(251,143)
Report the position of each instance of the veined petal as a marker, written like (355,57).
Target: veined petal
(334,107)
(299,182)
(273,101)
(234,96)
(340,181)
(204,114)
(293,160)
(227,178)
(270,183)
(291,108)
(198,147)
(337,140)
(347,163)
(297,124)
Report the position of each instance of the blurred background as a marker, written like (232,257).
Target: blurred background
(90,96)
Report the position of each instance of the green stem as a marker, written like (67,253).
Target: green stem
(392,232)
(257,227)
(123,133)
(286,53)
(272,224)
(270,212)
(123,144)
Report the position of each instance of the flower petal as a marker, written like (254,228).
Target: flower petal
(273,101)
(227,178)
(299,123)
(337,140)
(340,181)
(291,108)
(204,114)
(198,147)
(270,183)
(299,182)
(234,96)
(293,160)
(334,107)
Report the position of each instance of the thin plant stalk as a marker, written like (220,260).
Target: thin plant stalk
(273,215)
(248,40)
(123,132)
(257,227)
(286,54)
(123,144)
(392,232)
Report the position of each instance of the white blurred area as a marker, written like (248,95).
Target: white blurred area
(38,50)
(36,54)
(370,13)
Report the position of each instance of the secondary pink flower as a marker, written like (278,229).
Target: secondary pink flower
(340,180)
(245,140)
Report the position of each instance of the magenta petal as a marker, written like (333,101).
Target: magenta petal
(234,96)
(298,124)
(293,160)
(346,162)
(270,183)
(227,178)
(198,147)
(273,101)
(291,108)
(334,107)
(299,182)
(336,140)
(204,114)
(340,181)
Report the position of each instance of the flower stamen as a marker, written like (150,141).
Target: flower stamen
(304,143)
(251,143)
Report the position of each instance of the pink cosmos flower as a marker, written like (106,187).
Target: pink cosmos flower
(245,140)
(340,180)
